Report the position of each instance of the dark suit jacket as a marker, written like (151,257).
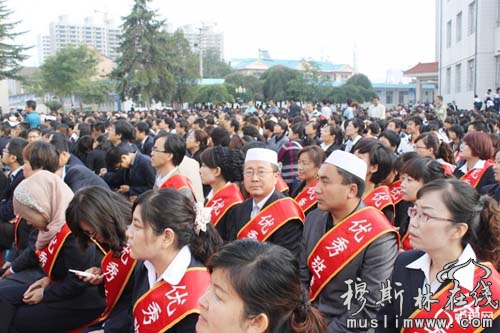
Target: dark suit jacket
(147,147)
(411,280)
(492,190)
(6,208)
(288,236)
(73,160)
(141,286)
(372,265)
(96,160)
(141,176)
(79,176)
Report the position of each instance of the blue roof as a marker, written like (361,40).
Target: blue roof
(292,64)
(209,82)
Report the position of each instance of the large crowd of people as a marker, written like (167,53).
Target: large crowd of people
(299,218)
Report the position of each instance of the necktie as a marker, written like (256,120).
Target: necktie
(255,211)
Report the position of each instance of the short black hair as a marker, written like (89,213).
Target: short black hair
(379,154)
(59,142)
(220,137)
(348,179)
(142,127)
(392,137)
(114,155)
(31,103)
(99,126)
(16,146)
(124,128)
(175,145)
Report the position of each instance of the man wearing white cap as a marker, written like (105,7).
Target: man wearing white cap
(268,215)
(346,246)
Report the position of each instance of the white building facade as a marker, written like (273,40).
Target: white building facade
(102,36)
(467,49)
(205,37)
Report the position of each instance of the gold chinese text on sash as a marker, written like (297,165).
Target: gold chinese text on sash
(223,199)
(270,219)
(339,246)
(459,317)
(165,305)
(307,197)
(48,255)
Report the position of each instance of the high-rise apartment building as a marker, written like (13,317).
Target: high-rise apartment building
(204,37)
(100,35)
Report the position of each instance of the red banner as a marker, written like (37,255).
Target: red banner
(48,255)
(307,197)
(473,176)
(223,199)
(165,305)
(339,246)
(270,219)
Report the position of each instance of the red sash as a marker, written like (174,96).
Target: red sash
(165,305)
(469,311)
(447,169)
(281,185)
(118,272)
(223,199)
(307,197)
(395,191)
(178,181)
(48,255)
(339,246)
(379,198)
(405,242)
(270,219)
(473,176)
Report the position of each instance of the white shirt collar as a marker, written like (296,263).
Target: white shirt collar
(174,272)
(465,276)
(479,165)
(160,180)
(14,173)
(263,201)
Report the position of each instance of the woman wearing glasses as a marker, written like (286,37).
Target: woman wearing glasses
(415,173)
(99,215)
(450,223)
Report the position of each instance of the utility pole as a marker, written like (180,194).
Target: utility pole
(201,51)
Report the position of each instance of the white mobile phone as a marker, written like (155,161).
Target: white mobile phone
(82,273)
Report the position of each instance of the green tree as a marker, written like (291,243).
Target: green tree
(251,85)
(213,66)
(68,72)
(11,55)
(276,81)
(181,62)
(142,69)
(360,80)
(216,94)
(53,105)
(96,92)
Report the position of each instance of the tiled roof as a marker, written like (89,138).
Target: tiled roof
(420,68)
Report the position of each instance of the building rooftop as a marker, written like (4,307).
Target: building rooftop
(423,68)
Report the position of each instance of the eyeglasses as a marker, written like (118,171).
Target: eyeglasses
(259,173)
(414,213)
(156,150)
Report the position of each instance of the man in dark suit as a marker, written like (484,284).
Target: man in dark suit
(360,246)
(71,169)
(144,140)
(261,173)
(12,156)
(138,173)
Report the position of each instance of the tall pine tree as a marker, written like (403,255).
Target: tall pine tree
(11,55)
(141,71)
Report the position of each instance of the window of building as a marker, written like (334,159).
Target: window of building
(402,96)
(448,34)
(470,75)
(448,81)
(388,97)
(458,78)
(458,29)
(472,18)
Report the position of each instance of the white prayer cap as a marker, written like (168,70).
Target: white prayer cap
(348,162)
(262,154)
